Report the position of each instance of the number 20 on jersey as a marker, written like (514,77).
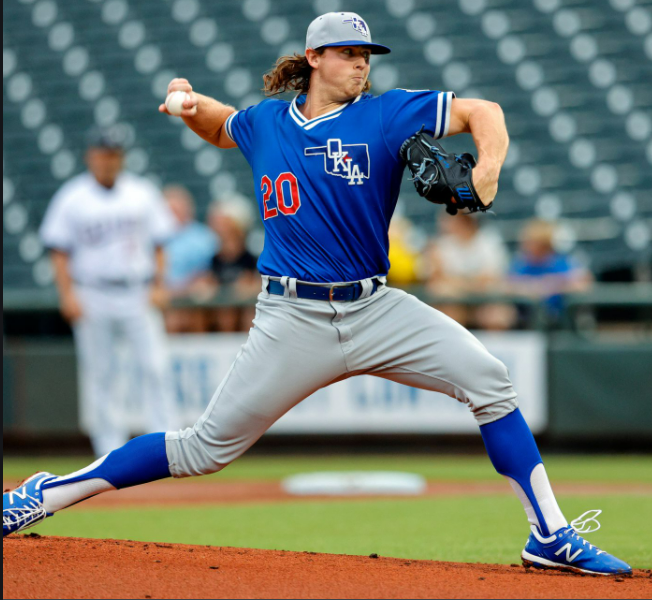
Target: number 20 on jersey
(281,196)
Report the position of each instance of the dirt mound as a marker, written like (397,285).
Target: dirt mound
(48,567)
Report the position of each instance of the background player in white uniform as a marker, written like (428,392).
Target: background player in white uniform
(105,229)
(328,172)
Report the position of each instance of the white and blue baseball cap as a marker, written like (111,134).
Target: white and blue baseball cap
(341,29)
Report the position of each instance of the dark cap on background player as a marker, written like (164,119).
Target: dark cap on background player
(105,155)
(105,138)
(341,29)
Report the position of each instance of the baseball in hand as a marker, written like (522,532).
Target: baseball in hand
(174,102)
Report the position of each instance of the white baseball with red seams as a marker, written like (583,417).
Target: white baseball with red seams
(174,102)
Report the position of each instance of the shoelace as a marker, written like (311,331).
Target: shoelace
(25,517)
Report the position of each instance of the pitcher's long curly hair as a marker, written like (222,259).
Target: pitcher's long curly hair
(292,73)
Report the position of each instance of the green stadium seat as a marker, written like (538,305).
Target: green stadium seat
(574,87)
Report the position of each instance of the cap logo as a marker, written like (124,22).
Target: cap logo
(358,24)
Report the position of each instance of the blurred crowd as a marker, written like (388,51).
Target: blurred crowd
(470,275)
(204,259)
(465,267)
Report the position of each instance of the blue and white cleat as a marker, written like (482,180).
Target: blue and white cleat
(23,508)
(566,550)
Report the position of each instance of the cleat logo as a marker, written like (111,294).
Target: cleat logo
(588,522)
(22,495)
(568,548)
(350,161)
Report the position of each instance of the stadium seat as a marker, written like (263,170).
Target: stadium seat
(572,80)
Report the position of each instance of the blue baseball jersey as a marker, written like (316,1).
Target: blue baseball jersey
(327,187)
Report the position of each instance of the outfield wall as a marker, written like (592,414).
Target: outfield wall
(567,387)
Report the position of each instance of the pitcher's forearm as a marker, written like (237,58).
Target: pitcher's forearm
(209,120)
(487,126)
(204,115)
(485,121)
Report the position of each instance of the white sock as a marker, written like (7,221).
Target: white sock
(56,498)
(555,519)
(545,497)
(525,501)
(58,494)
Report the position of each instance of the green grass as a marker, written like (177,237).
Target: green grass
(463,528)
(625,469)
(467,529)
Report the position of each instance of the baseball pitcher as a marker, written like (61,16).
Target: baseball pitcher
(328,168)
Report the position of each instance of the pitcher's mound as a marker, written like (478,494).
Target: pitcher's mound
(50,567)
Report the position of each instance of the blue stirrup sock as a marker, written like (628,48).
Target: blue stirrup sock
(514,454)
(141,460)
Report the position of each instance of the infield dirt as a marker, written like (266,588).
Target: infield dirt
(50,567)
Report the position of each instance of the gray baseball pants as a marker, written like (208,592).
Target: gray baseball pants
(298,346)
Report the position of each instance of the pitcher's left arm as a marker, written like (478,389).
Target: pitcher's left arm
(485,121)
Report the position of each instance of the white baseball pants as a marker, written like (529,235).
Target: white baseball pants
(124,317)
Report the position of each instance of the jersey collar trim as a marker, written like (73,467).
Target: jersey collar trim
(307,124)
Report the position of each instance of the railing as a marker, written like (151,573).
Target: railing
(637,296)
(579,313)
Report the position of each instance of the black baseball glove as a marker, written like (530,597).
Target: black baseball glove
(441,177)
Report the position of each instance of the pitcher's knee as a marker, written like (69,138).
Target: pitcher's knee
(495,411)
(224,432)
(192,453)
(491,395)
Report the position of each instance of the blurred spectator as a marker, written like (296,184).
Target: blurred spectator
(540,272)
(233,267)
(193,245)
(404,257)
(466,260)
(189,254)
